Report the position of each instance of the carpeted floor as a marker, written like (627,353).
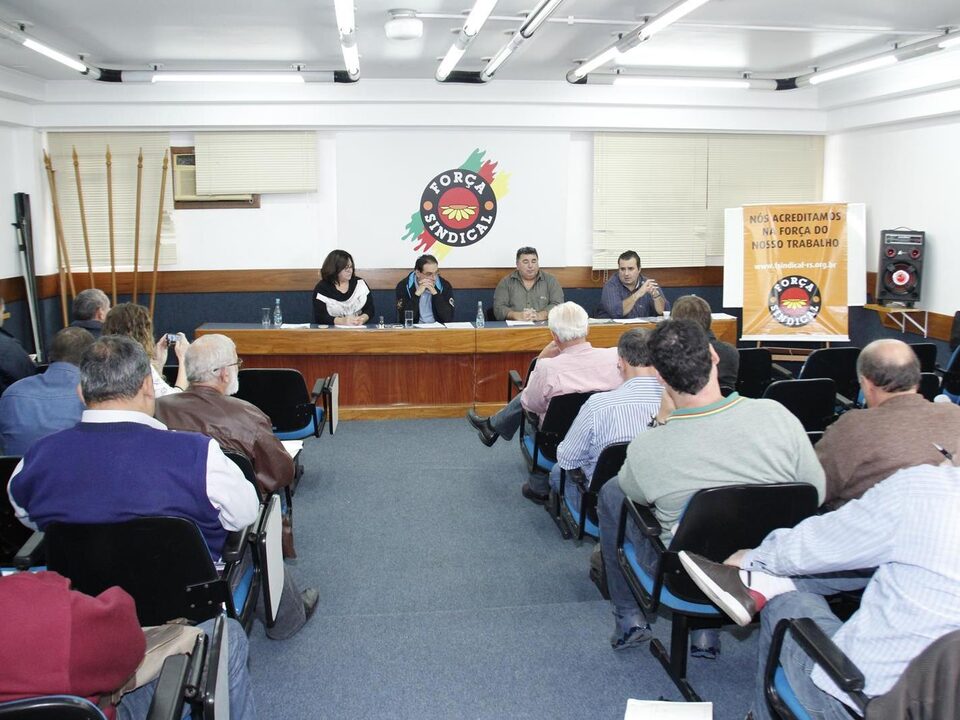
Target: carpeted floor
(445,594)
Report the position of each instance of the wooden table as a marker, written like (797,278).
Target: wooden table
(417,373)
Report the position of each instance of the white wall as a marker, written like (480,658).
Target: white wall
(908,176)
(19,150)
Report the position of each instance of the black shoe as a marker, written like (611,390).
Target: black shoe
(488,436)
(532,496)
(310,597)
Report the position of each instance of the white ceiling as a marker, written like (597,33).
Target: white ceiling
(722,37)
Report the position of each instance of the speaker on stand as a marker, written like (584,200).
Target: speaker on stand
(900,267)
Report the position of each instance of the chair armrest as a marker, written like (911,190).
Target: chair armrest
(780,370)
(318,389)
(31,554)
(821,648)
(846,403)
(167,702)
(234,545)
(645,520)
(514,384)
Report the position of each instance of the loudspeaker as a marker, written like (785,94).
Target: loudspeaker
(900,267)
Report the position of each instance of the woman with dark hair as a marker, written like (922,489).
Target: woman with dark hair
(341,298)
(134,321)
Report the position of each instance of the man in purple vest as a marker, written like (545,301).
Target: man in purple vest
(119,463)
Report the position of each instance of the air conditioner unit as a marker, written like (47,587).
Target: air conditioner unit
(185,181)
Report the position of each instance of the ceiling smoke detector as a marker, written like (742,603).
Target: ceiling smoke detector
(403,25)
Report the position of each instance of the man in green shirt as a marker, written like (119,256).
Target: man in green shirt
(527,293)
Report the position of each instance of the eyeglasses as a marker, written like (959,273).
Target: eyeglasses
(238,363)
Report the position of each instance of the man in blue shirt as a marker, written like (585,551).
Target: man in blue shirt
(628,294)
(40,405)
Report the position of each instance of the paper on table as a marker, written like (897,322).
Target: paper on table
(600,321)
(722,316)
(350,327)
(659,710)
(430,326)
(460,325)
(294,326)
(292,446)
(514,323)
(625,321)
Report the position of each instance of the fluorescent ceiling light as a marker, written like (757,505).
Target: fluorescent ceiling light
(231,77)
(670,16)
(499,59)
(852,69)
(952,41)
(351,58)
(346,22)
(650,81)
(55,55)
(450,61)
(593,63)
(478,16)
(538,16)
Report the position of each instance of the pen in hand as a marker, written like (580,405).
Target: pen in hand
(943,451)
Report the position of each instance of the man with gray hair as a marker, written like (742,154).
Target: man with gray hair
(119,463)
(212,370)
(568,364)
(896,431)
(90,308)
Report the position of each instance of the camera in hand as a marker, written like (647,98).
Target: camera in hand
(171,338)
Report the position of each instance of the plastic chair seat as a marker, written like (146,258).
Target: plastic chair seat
(306,431)
(667,598)
(543,464)
(589,527)
(787,696)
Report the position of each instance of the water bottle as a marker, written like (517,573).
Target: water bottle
(480,320)
(277,314)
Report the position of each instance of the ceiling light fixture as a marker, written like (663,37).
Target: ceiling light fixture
(347,26)
(534,20)
(20,38)
(227,77)
(951,42)
(853,68)
(685,82)
(471,26)
(403,25)
(633,38)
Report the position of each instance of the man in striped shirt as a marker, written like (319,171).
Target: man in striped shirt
(615,416)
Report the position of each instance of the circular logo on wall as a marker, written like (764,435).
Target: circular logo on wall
(794,301)
(458,207)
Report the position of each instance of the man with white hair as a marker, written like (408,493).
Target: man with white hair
(207,407)
(569,364)
(90,308)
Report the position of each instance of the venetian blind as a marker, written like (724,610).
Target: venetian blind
(232,163)
(663,195)
(124,149)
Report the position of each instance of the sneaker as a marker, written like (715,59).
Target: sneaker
(707,653)
(488,436)
(532,496)
(722,584)
(635,636)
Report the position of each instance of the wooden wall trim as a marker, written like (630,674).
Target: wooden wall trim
(204,281)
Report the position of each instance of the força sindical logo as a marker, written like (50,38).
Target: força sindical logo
(458,207)
(794,301)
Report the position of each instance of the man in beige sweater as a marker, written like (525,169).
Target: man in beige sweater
(897,430)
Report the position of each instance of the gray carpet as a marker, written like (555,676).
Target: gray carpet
(445,594)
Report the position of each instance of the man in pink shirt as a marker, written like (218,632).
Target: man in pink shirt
(569,364)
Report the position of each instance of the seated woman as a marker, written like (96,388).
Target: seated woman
(134,322)
(341,298)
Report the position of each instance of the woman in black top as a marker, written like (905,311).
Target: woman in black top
(341,298)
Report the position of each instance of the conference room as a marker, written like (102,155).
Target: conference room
(204,161)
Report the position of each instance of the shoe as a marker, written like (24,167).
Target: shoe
(488,436)
(707,653)
(722,584)
(635,636)
(310,597)
(532,496)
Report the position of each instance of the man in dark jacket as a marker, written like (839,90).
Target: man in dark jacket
(15,364)
(424,292)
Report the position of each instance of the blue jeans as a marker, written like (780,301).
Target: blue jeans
(625,608)
(507,421)
(135,705)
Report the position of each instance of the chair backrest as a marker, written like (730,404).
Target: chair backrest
(13,533)
(838,364)
(719,521)
(608,464)
(755,371)
(246,467)
(927,355)
(51,707)
(281,393)
(561,412)
(157,560)
(929,385)
(811,401)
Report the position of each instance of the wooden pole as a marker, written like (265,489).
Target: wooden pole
(63,256)
(113,260)
(83,216)
(156,245)
(136,226)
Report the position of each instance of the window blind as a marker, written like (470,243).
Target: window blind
(233,163)
(663,195)
(124,149)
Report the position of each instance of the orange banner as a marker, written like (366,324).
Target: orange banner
(795,271)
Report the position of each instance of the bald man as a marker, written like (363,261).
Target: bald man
(897,430)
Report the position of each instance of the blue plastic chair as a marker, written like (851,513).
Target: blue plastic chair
(281,393)
(608,465)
